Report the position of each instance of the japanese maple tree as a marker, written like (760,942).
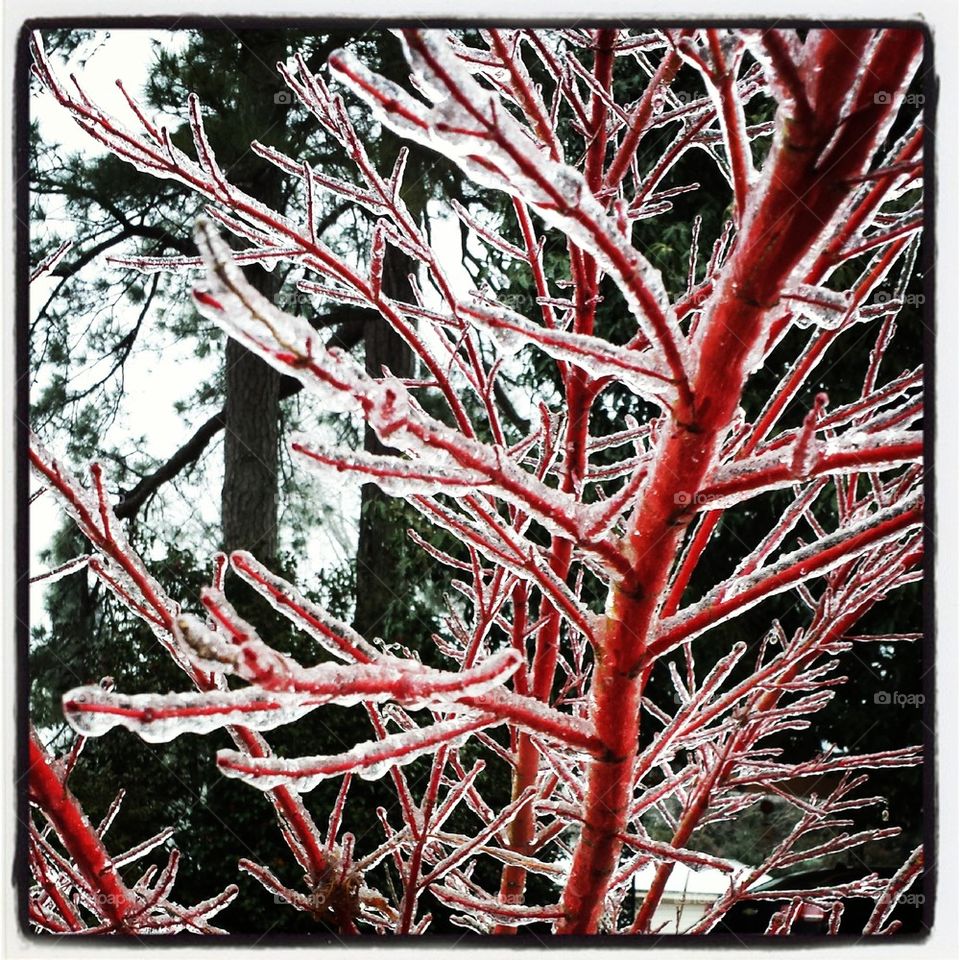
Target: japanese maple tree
(538,678)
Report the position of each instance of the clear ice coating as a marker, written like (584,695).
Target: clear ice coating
(511,507)
(641,371)
(369,760)
(558,192)
(158,717)
(769,574)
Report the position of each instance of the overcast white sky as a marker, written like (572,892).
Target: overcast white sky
(149,397)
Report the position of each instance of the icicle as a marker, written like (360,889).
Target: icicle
(378,249)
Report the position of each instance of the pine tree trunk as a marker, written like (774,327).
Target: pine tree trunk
(379,546)
(250,454)
(248,502)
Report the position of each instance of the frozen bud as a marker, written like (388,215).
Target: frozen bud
(206,647)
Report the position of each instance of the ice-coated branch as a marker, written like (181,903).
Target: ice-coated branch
(144,595)
(158,718)
(369,760)
(85,892)
(69,822)
(544,496)
(899,883)
(471,125)
(739,595)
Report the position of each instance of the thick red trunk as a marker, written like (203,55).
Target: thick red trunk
(808,182)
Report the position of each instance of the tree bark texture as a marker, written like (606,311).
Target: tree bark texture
(379,547)
(248,502)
